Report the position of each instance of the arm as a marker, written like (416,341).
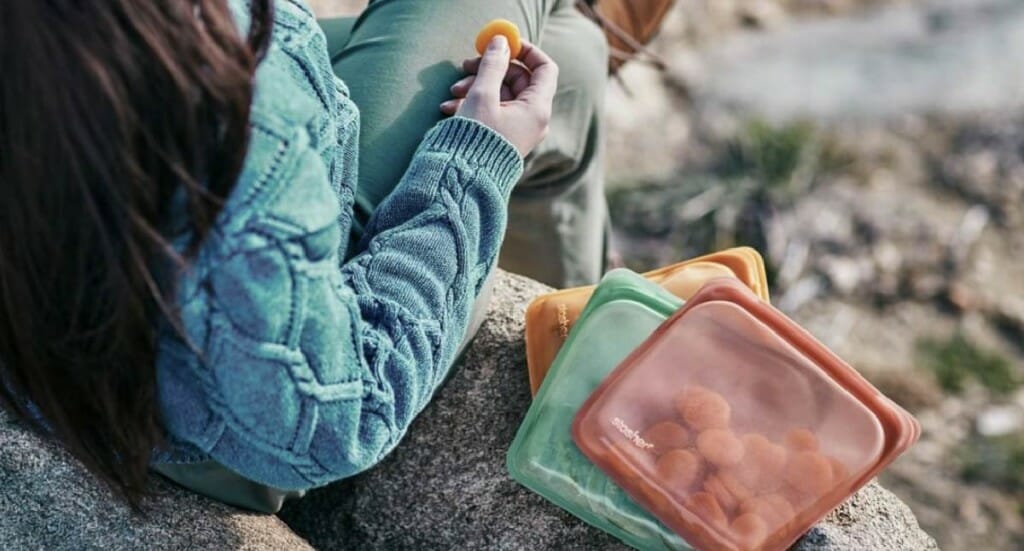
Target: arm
(316,371)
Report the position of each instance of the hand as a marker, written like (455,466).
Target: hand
(512,97)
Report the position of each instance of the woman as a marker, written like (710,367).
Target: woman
(193,273)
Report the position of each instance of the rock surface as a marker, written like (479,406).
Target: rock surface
(48,501)
(445,486)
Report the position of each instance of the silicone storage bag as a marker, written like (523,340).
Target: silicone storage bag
(624,310)
(550,317)
(769,429)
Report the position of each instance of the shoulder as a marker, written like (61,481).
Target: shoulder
(295,112)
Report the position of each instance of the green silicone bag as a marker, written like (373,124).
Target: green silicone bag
(624,310)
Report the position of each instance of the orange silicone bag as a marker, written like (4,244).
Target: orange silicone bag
(779,430)
(550,317)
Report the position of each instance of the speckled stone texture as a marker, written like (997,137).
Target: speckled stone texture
(48,501)
(445,487)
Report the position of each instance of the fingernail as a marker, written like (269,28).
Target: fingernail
(498,44)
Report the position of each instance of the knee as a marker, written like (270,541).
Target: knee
(579,48)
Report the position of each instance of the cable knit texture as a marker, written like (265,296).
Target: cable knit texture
(307,361)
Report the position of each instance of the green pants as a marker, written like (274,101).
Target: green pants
(399,57)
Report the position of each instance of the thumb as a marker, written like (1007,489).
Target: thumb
(493,67)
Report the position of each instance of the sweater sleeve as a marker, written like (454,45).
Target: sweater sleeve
(319,367)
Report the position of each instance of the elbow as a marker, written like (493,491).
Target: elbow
(335,446)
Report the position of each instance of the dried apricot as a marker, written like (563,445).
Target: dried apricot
(720,447)
(679,468)
(702,409)
(738,490)
(840,472)
(763,462)
(802,440)
(810,473)
(749,530)
(666,436)
(773,508)
(714,486)
(707,508)
(503,27)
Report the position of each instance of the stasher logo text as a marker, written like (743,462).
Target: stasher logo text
(633,435)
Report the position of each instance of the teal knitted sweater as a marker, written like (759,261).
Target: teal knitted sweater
(306,361)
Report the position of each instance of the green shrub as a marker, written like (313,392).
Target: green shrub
(956,360)
(997,461)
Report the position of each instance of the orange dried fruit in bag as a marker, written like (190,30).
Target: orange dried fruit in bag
(666,436)
(773,508)
(763,462)
(505,28)
(810,473)
(679,468)
(839,470)
(705,506)
(749,530)
(802,440)
(714,486)
(702,408)
(720,447)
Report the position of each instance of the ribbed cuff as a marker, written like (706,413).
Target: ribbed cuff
(480,146)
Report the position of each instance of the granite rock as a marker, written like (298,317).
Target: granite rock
(49,501)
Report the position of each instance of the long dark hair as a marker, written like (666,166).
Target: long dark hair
(107,110)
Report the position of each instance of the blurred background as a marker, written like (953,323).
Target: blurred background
(873,151)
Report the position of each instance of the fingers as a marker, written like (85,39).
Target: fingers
(491,72)
(533,57)
(517,78)
(471,66)
(541,70)
(461,88)
(544,78)
(451,106)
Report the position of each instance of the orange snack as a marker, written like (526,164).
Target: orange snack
(666,436)
(810,473)
(763,462)
(839,470)
(503,27)
(702,409)
(714,486)
(720,447)
(738,490)
(707,508)
(749,530)
(802,440)
(773,508)
(679,468)
(800,500)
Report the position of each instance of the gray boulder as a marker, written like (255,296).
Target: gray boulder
(49,501)
(444,487)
